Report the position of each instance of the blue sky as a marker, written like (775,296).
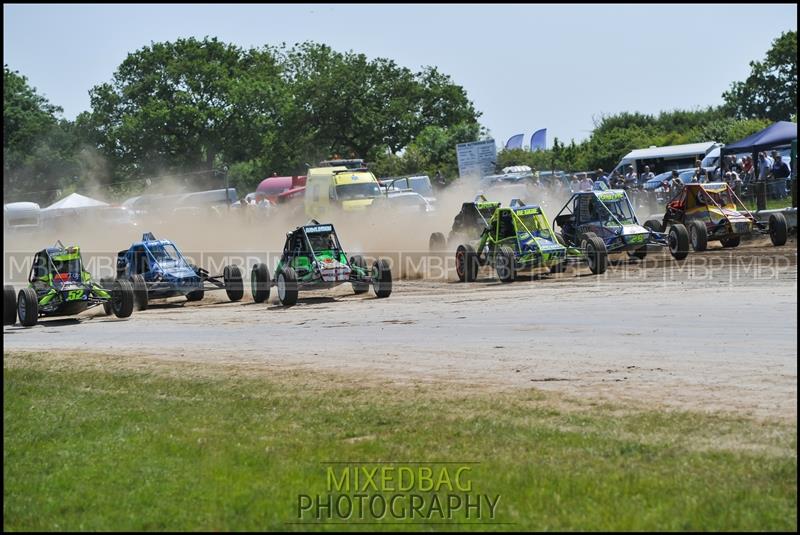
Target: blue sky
(524,66)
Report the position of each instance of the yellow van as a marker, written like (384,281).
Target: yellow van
(350,189)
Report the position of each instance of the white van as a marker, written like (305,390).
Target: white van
(663,159)
(21,216)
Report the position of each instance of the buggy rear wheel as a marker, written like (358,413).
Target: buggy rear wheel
(698,236)
(122,298)
(28,307)
(9,305)
(359,287)
(141,299)
(466,263)
(381,278)
(437,243)
(196,295)
(234,286)
(778,232)
(731,242)
(654,225)
(107,283)
(678,240)
(287,286)
(259,283)
(638,254)
(505,263)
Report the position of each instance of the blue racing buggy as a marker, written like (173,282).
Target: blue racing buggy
(608,215)
(158,270)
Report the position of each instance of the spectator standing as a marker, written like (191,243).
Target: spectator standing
(600,175)
(647,175)
(747,170)
(675,182)
(631,176)
(700,175)
(780,172)
(586,183)
(764,166)
(574,184)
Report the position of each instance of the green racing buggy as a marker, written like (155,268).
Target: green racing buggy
(467,225)
(519,238)
(58,285)
(314,259)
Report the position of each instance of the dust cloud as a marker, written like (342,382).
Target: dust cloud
(213,237)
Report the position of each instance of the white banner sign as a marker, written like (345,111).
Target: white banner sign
(477,158)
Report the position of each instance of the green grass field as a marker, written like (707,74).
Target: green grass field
(93,444)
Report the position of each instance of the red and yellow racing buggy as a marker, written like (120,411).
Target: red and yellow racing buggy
(713,212)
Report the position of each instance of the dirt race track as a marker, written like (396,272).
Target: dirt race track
(718,332)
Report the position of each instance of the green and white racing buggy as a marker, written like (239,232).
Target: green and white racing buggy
(313,259)
(467,225)
(60,286)
(520,238)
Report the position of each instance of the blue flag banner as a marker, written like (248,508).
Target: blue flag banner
(539,140)
(515,142)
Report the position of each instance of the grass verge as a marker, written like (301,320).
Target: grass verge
(90,446)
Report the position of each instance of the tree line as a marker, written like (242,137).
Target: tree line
(200,110)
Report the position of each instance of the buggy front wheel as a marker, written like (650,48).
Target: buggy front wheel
(678,240)
(122,298)
(259,283)
(141,299)
(698,235)
(381,278)
(287,286)
(596,253)
(505,263)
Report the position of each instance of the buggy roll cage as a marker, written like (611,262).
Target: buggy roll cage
(337,245)
(478,199)
(52,265)
(728,189)
(517,203)
(609,212)
(149,236)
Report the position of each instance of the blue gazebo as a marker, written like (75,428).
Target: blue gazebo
(780,134)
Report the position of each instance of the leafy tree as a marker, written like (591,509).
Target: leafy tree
(771,89)
(348,105)
(189,105)
(37,146)
(431,151)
